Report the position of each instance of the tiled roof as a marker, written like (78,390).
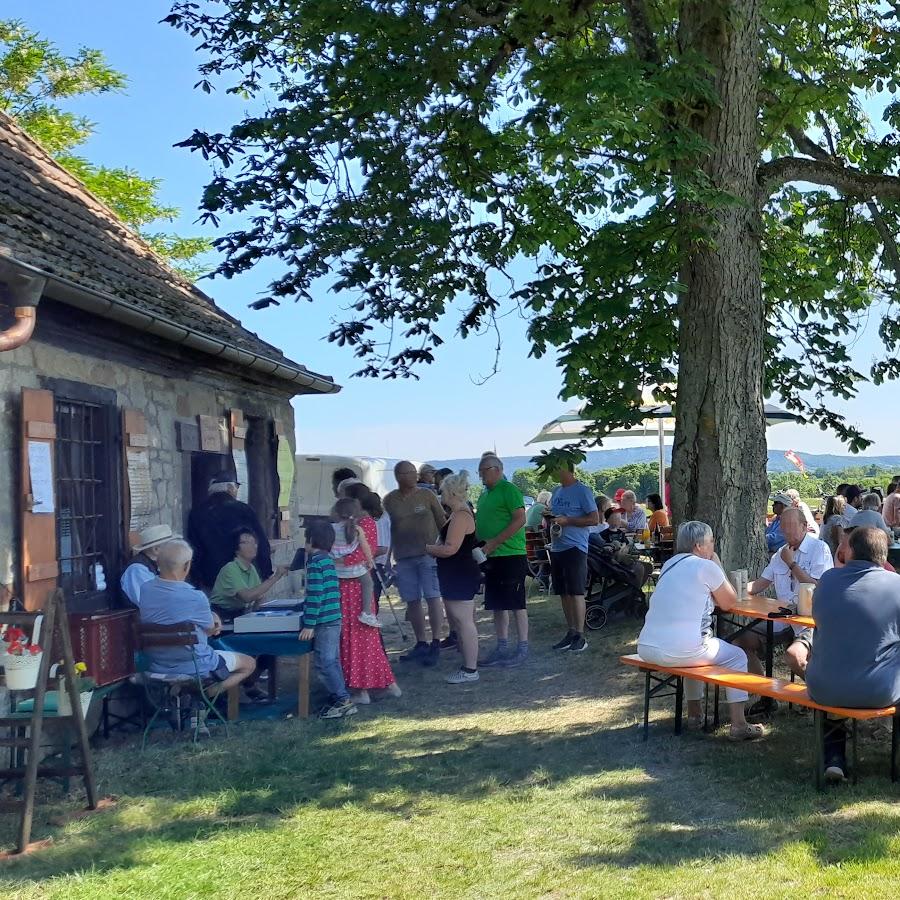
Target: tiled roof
(50,220)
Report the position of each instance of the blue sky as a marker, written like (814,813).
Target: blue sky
(447,413)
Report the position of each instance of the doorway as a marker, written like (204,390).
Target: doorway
(204,467)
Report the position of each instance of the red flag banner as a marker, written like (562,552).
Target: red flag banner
(795,460)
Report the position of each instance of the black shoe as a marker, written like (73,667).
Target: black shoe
(417,652)
(432,654)
(565,643)
(254,695)
(764,708)
(578,645)
(450,642)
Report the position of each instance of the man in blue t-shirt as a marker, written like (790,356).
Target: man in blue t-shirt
(573,511)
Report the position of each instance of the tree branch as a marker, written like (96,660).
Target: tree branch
(826,172)
(641,32)
(890,254)
(482,17)
(805,144)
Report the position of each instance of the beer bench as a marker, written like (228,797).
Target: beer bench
(665,681)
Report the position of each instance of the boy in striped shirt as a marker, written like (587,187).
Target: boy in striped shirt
(321,621)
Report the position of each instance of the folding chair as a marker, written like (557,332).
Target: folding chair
(165,692)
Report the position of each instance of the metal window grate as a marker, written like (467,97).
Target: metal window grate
(84,523)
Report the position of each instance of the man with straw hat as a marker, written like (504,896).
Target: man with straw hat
(142,567)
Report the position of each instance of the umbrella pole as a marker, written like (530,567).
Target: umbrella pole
(662,459)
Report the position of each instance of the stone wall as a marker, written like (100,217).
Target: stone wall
(163,398)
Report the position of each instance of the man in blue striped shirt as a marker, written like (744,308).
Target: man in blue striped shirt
(321,621)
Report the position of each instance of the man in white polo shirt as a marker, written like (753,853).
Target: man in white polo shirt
(802,560)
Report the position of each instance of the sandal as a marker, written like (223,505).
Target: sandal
(747,733)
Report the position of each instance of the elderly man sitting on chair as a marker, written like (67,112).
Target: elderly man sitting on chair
(169,600)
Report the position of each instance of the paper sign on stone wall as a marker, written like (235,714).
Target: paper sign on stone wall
(40,473)
(140,489)
(243,476)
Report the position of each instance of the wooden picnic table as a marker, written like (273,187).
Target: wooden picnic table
(760,609)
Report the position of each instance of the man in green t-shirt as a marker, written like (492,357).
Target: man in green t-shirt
(500,523)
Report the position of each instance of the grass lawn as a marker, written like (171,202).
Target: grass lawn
(532,783)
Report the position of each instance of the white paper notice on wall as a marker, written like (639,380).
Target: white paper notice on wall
(140,489)
(240,469)
(40,474)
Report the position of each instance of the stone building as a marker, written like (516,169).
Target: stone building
(132,391)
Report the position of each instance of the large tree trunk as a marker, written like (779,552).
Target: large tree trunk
(719,456)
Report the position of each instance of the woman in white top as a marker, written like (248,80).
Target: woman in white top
(678,628)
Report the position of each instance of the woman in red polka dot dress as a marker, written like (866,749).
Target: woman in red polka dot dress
(363,659)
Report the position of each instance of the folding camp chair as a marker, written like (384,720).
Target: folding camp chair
(165,693)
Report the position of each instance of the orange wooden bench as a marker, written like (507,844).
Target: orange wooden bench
(664,681)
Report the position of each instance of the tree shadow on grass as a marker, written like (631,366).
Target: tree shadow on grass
(695,798)
(692,798)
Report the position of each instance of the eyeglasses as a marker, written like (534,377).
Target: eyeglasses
(486,469)
(253,541)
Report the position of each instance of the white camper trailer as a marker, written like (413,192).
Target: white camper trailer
(313,474)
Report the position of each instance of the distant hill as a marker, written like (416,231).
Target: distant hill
(614,459)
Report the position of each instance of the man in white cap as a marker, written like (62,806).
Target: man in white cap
(142,567)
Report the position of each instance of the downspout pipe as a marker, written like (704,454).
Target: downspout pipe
(22,291)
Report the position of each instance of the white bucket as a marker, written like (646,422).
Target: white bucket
(22,671)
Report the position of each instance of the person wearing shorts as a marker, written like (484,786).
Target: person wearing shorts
(459,573)
(500,521)
(574,511)
(416,518)
(169,600)
(802,560)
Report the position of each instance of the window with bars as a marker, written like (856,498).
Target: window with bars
(87,519)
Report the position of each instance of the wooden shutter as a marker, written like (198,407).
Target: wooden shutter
(39,564)
(136,490)
(238,434)
(284,510)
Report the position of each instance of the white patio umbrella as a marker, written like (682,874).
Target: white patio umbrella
(658,422)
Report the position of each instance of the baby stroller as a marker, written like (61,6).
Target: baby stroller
(615,582)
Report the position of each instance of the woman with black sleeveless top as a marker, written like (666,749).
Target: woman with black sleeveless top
(458,573)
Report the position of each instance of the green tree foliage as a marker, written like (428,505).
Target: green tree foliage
(415,150)
(35,78)
(643,479)
(697,188)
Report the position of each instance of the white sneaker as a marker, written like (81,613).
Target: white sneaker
(369,619)
(462,677)
(393,690)
(361,698)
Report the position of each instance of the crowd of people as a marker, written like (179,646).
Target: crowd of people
(426,539)
(851,658)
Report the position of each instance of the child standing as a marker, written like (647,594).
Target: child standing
(353,556)
(321,622)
